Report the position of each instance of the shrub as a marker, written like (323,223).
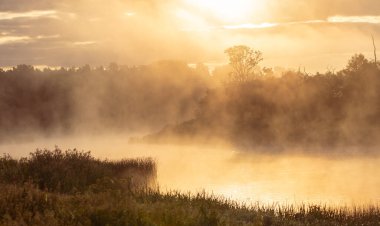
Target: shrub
(73,170)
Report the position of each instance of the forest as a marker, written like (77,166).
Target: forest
(68,101)
(171,101)
(333,109)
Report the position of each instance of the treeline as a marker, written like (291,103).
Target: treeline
(295,109)
(265,109)
(99,99)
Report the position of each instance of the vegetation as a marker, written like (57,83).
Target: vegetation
(294,109)
(271,109)
(74,171)
(243,60)
(116,98)
(107,201)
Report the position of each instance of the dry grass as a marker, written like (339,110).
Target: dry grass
(88,194)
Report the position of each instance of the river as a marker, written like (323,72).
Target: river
(245,177)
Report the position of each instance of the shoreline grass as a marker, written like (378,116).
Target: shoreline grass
(72,170)
(108,201)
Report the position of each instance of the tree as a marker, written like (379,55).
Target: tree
(374,49)
(356,64)
(113,67)
(23,69)
(243,60)
(84,69)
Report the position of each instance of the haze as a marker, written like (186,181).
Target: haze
(275,101)
(315,35)
(248,178)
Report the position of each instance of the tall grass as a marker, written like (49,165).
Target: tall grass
(73,188)
(28,205)
(73,170)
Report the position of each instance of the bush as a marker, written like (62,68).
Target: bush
(72,170)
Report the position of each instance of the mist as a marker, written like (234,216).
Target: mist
(189,124)
(281,179)
(270,102)
(101,100)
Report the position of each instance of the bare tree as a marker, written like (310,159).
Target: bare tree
(374,49)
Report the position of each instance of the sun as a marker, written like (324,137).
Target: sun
(227,10)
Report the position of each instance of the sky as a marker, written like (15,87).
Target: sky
(315,35)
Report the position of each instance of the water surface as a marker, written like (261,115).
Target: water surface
(264,178)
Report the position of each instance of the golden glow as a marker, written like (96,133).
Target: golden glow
(251,26)
(354,19)
(281,179)
(227,10)
(10,39)
(30,14)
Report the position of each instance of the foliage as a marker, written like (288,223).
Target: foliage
(68,100)
(26,204)
(74,171)
(295,109)
(291,108)
(243,60)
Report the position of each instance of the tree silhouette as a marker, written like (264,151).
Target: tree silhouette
(243,60)
(113,67)
(357,63)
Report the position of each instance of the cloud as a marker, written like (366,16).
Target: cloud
(329,20)
(13,39)
(83,43)
(29,14)
(354,19)
(130,13)
(250,26)
(27,5)
(301,10)
(48,36)
(76,32)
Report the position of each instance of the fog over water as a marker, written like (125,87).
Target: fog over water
(245,177)
(189,112)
